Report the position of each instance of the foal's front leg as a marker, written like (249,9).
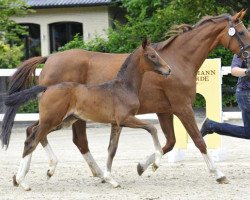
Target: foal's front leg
(113,144)
(133,122)
(166,122)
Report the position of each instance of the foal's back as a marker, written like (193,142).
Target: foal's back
(99,103)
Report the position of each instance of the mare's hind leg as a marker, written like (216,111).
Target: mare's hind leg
(166,122)
(188,120)
(30,144)
(133,122)
(81,141)
(113,144)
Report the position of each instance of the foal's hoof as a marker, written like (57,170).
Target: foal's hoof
(49,174)
(103,180)
(154,167)
(222,180)
(14,181)
(140,169)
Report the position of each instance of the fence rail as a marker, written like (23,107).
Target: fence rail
(34,116)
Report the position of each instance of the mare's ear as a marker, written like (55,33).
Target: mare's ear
(239,15)
(145,43)
(243,14)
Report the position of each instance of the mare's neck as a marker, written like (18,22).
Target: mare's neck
(131,73)
(193,47)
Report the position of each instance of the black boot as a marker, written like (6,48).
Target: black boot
(205,128)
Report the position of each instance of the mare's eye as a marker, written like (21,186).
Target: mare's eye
(153,56)
(241,33)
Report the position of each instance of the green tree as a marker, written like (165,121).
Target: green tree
(10,32)
(9,29)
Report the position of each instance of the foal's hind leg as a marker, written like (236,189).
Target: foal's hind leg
(133,122)
(51,156)
(81,141)
(113,144)
(188,120)
(30,144)
(166,122)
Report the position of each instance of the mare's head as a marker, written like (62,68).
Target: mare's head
(235,36)
(152,61)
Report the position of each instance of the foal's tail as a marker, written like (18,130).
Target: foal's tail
(13,102)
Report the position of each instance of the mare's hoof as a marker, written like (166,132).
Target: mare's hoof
(140,169)
(15,182)
(222,180)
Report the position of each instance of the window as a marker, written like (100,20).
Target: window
(63,32)
(32,41)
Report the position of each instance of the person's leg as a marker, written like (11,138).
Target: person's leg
(210,127)
(243,100)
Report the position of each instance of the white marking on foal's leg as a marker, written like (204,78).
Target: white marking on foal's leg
(52,160)
(95,169)
(109,179)
(220,177)
(141,167)
(22,171)
(158,151)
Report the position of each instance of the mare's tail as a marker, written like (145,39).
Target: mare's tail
(22,78)
(13,102)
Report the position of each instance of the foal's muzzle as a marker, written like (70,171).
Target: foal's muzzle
(165,72)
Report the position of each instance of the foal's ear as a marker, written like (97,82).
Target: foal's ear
(145,43)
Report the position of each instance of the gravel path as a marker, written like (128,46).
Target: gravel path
(188,179)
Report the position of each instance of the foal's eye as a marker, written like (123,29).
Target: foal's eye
(153,56)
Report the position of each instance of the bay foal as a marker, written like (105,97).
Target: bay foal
(114,102)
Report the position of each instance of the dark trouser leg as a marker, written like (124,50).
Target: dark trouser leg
(243,100)
(229,129)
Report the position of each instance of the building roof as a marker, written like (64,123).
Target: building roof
(65,3)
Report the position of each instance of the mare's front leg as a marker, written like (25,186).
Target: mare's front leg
(113,144)
(166,122)
(81,141)
(133,122)
(186,115)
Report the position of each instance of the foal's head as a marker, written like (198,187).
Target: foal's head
(152,61)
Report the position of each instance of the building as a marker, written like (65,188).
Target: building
(55,22)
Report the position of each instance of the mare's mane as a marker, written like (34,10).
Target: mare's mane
(177,30)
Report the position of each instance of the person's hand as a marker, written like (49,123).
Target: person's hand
(247,72)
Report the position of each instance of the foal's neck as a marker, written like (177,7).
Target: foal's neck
(131,73)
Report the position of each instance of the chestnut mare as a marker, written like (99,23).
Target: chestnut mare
(114,102)
(185,52)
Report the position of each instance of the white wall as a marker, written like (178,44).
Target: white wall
(95,20)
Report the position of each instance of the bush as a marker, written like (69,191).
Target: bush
(10,57)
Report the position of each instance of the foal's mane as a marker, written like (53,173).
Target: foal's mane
(177,30)
(125,65)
